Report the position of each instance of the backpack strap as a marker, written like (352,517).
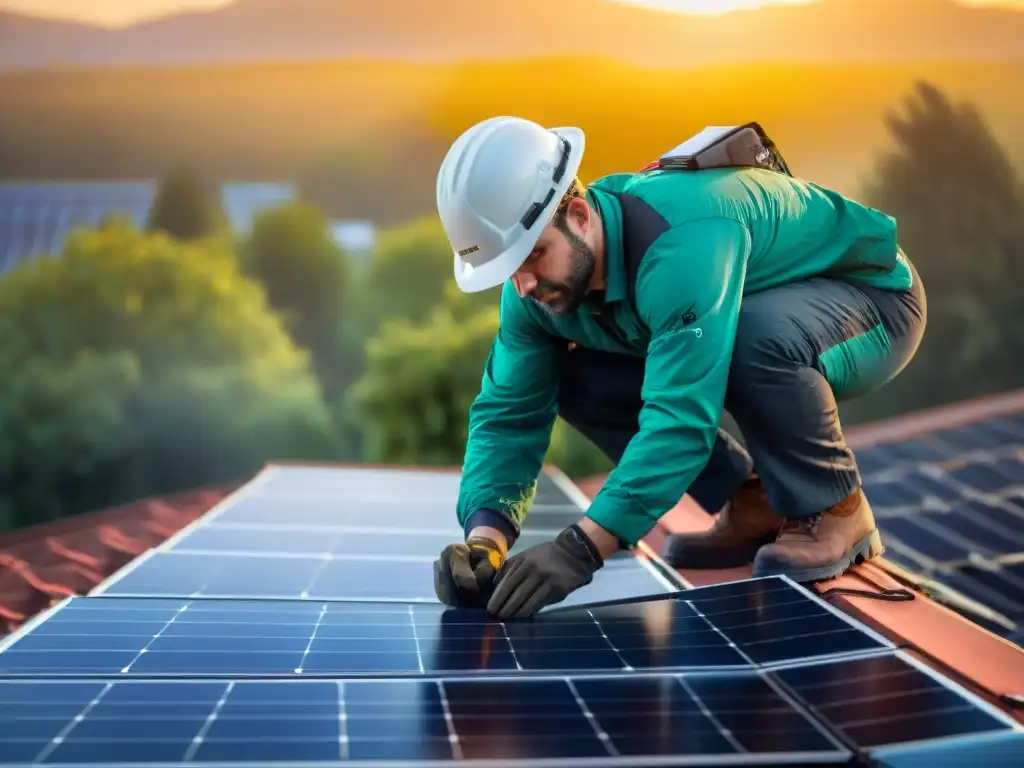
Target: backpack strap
(641,226)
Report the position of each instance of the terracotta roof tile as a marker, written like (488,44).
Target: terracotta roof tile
(42,564)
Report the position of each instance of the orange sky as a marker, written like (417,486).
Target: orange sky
(117,12)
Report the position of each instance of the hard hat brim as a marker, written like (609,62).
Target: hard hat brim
(499,269)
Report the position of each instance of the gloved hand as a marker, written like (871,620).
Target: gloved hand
(544,574)
(464,573)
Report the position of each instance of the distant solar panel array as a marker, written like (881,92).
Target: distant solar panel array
(951,507)
(295,625)
(36,218)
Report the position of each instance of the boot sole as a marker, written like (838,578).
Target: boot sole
(866,548)
(704,558)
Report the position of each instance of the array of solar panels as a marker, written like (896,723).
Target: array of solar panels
(950,506)
(295,624)
(36,218)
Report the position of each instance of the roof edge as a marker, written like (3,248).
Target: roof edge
(922,422)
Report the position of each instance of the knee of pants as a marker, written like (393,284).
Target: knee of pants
(764,346)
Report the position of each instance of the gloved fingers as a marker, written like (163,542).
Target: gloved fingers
(455,583)
(460,568)
(538,596)
(444,585)
(506,582)
(517,587)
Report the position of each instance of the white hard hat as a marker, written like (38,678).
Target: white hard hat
(497,189)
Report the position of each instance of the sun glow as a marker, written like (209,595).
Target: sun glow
(712,7)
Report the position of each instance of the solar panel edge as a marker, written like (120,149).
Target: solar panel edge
(238,493)
(930,752)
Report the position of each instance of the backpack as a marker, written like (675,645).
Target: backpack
(715,147)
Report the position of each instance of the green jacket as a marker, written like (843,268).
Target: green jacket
(724,233)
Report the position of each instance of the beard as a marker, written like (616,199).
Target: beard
(565,297)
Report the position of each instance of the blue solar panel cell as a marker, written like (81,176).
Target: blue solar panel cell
(984,477)
(322,512)
(758,622)
(989,592)
(373,576)
(983,435)
(644,719)
(321,542)
(885,700)
(983,536)
(772,620)
(922,539)
(892,493)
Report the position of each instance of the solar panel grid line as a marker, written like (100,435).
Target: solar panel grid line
(962,691)
(874,702)
(749,625)
(556,721)
(979,600)
(211,513)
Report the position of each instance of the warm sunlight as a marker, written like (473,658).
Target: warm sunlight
(122,12)
(712,7)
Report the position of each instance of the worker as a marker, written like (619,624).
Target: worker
(755,292)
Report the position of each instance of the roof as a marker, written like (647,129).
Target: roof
(267,609)
(960,636)
(46,563)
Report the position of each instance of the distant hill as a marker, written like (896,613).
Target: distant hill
(833,30)
(367,137)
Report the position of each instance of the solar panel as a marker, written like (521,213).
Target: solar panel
(37,217)
(326,533)
(620,721)
(740,625)
(947,506)
(889,699)
(755,672)
(995,751)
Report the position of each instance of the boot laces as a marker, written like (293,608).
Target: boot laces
(801,527)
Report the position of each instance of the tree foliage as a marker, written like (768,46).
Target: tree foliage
(184,207)
(138,365)
(959,206)
(413,400)
(291,253)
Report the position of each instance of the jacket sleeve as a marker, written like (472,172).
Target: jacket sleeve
(688,292)
(510,421)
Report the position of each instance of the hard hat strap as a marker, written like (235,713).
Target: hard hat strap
(535,210)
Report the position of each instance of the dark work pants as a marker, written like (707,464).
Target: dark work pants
(799,349)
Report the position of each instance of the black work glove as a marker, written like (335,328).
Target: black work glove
(464,573)
(544,574)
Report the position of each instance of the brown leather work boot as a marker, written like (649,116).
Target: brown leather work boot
(745,524)
(825,545)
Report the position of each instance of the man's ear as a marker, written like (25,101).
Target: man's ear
(579,213)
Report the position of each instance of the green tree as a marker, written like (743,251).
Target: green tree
(304,272)
(409,274)
(960,210)
(184,207)
(138,365)
(420,380)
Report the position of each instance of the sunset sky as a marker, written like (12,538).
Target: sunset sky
(119,12)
